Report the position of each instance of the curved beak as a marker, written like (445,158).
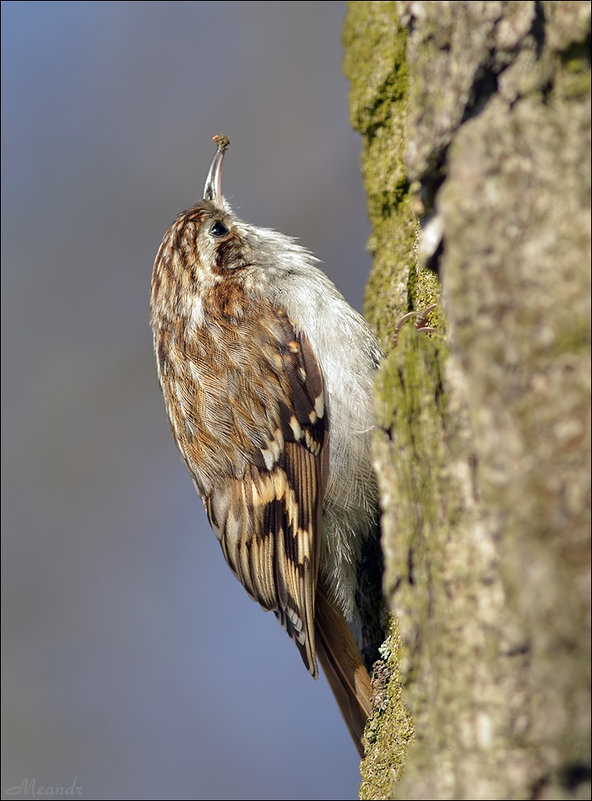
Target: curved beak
(213,187)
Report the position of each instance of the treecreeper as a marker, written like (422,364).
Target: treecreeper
(267,374)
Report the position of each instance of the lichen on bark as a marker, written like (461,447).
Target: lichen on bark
(476,117)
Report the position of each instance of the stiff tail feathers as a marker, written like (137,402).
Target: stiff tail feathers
(343,666)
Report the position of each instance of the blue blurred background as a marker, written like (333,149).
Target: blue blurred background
(134,663)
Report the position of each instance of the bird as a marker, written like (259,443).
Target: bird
(267,373)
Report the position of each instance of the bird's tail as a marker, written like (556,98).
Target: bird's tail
(343,666)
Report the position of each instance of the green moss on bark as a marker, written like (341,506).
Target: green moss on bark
(375,63)
(390,724)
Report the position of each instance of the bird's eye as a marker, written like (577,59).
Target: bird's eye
(218,229)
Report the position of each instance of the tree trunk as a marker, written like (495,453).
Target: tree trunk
(475,120)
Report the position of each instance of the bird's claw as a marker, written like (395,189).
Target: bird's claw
(420,323)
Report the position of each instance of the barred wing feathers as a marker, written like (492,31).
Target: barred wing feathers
(269,521)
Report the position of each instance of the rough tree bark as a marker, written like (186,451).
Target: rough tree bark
(475,121)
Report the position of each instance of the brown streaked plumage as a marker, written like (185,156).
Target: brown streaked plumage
(257,409)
